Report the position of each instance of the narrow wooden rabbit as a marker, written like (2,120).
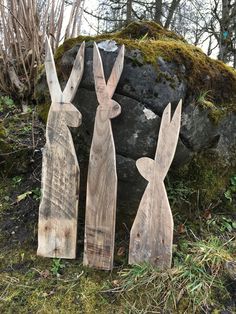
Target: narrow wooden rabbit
(152,232)
(102,177)
(57,229)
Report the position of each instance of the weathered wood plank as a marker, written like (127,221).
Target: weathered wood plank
(152,231)
(57,227)
(102,177)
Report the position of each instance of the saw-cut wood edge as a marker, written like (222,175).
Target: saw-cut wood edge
(58,210)
(102,177)
(151,235)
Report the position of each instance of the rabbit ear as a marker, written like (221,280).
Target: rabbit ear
(51,73)
(116,72)
(165,122)
(75,76)
(146,166)
(176,119)
(168,139)
(99,78)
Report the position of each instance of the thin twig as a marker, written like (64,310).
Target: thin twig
(16,19)
(32,130)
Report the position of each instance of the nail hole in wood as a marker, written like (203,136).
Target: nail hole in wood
(67,233)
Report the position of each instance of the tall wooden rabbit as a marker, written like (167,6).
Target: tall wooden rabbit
(102,177)
(57,229)
(152,232)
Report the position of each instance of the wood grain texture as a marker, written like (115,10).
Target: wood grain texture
(102,177)
(57,227)
(152,231)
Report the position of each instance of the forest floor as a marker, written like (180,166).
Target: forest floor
(202,278)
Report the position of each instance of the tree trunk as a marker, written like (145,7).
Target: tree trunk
(234,57)
(224,29)
(15,81)
(173,7)
(129,11)
(158,11)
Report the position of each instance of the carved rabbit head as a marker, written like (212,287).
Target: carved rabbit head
(61,100)
(108,107)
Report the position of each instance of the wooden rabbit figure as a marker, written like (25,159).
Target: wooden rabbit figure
(152,232)
(57,229)
(102,177)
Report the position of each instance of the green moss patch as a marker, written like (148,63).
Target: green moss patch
(204,179)
(153,41)
(42,111)
(147,30)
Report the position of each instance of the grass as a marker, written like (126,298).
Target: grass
(178,192)
(188,287)
(205,99)
(195,283)
(6,103)
(18,131)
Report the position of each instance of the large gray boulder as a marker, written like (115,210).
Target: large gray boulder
(143,92)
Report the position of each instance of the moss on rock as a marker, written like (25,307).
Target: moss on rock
(148,29)
(153,41)
(216,114)
(214,81)
(42,111)
(207,174)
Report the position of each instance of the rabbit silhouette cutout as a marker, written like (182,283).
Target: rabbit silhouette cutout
(152,231)
(57,228)
(102,177)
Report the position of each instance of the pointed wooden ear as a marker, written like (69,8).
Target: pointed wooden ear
(166,116)
(165,122)
(146,166)
(75,76)
(116,72)
(176,119)
(51,73)
(99,78)
(167,140)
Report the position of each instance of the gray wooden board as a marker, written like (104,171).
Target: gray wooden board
(57,226)
(102,177)
(151,235)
